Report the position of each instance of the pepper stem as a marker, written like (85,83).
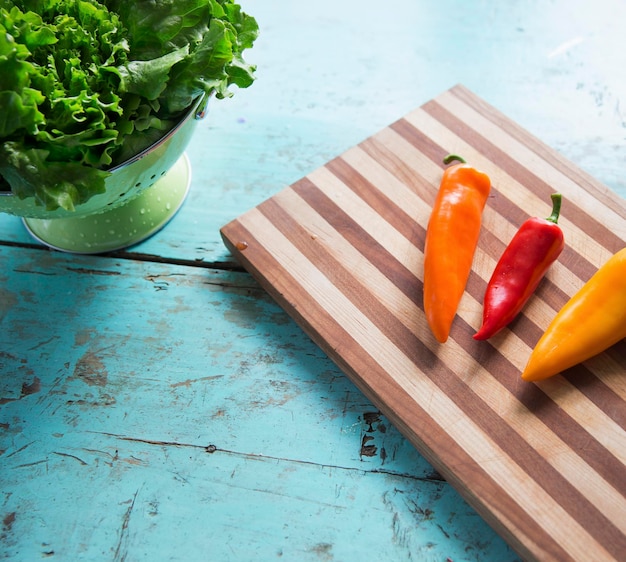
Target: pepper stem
(556,208)
(452,158)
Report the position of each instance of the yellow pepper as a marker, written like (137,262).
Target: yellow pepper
(590,322)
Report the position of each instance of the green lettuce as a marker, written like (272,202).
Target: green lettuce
(87,84)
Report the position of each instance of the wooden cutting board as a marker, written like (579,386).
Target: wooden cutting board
(341,250)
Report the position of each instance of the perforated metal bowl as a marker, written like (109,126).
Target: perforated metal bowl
(141,196)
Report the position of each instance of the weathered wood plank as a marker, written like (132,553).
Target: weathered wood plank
(96,497)
(160,408)
(218,349)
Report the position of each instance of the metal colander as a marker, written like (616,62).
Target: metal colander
(126,181)
(141,196)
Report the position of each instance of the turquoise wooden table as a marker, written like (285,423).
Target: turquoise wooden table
(156,404)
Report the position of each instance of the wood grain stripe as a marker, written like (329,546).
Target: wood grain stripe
(342,251)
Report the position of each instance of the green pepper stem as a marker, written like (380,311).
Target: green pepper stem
(452,158)
(556,208)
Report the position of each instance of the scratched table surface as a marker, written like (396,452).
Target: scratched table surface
(156,404)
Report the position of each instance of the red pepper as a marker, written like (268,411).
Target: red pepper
(533,249)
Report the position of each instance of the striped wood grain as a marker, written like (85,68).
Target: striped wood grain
(341,251)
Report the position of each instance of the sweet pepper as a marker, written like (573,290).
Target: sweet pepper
(523,264)
(451,240)
(589,323)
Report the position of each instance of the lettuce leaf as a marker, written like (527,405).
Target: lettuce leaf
(87,84)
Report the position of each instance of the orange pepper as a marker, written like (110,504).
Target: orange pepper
(590,322)
(451,240)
